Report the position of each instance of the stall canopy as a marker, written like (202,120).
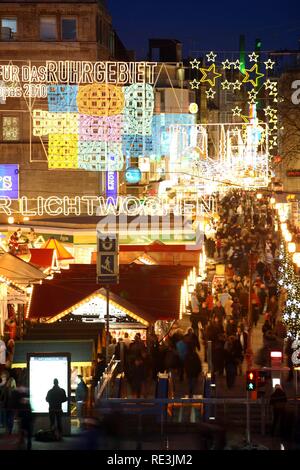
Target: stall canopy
(44,258)
(82,351)
(148,292)
(61,252)
(16,270)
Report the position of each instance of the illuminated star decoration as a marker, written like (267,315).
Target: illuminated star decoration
(236,85)
(236,111)
(236,64)
(195,84)
(269,84)
(252,96)
(226,64)
(253,57)
(210,93)
(211,70)
(257,74)
(195,63)
(225,85)
(269,64)
(211,56)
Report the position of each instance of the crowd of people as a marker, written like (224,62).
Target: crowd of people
(224,310)
(243,239)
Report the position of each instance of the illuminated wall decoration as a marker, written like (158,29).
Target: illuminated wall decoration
(87,124)
(138,112)
(101,100)
(95,156)
(137,146)
(63,151)
(62,98)
(104,128)
(45,123)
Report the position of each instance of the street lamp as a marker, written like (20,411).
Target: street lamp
(296,258)
(291,247)
(288,236)
(11,220)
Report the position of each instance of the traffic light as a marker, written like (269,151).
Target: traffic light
(251,380)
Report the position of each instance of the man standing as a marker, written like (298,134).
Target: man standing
(81,395)
(55,397)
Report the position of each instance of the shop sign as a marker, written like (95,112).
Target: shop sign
(9,181)
(294,173)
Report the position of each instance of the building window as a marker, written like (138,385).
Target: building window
(48,28)
(68,29)
(8,28)
(10,128)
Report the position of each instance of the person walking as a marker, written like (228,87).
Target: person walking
(193,368)
(81,395)
(56,396)
(278,400)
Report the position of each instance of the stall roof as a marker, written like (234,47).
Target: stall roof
(159,247)
(19,271)
(82,351)
(150,292)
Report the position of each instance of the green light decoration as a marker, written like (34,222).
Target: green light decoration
(242,54)
(290,284)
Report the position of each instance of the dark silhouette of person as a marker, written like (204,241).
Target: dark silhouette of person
(55,397)
(278,400)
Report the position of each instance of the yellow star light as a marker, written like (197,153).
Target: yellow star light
(236,85)
(211,56)
(252,94)
(210,70)
(247,75)
(226,64)
(268,84)
(236,64)
(194,84)
(269,64)
(210,93)
(225,85)
(253,57)
(236,111)
(195,63)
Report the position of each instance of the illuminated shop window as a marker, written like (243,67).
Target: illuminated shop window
(9,28)
(48,28)
(10,128)
(68,29)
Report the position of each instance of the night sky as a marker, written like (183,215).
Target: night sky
(204,25)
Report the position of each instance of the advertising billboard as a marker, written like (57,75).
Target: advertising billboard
(43,368)
(9,181)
